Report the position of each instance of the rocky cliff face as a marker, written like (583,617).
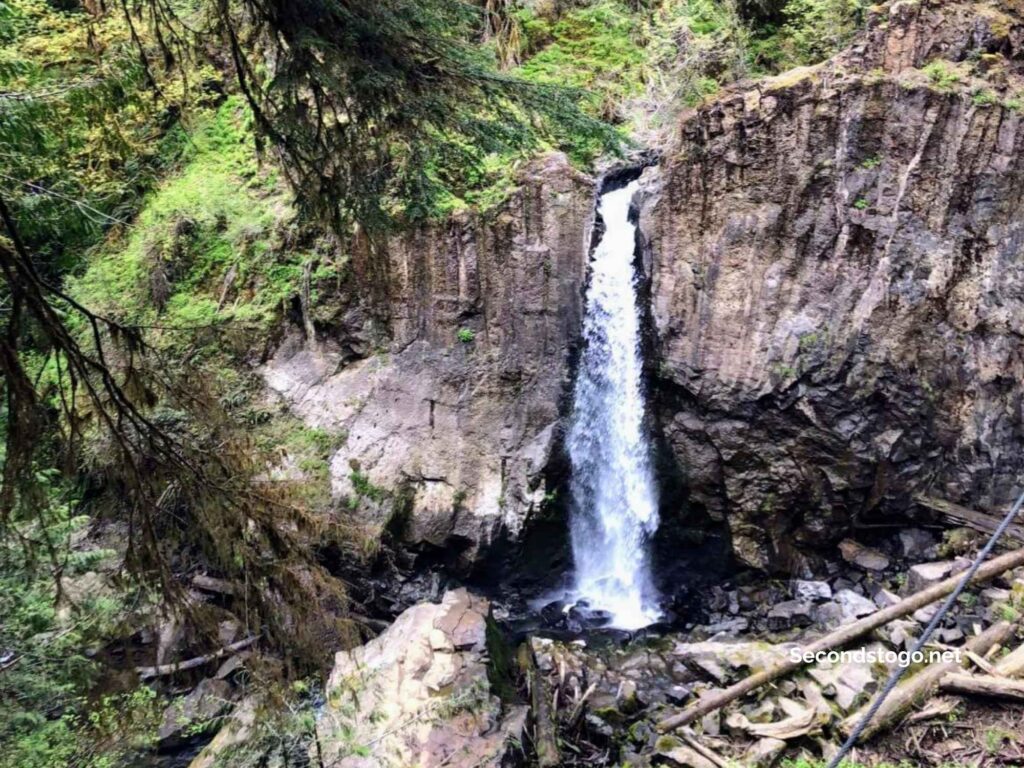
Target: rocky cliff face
(838,283)
(453,419)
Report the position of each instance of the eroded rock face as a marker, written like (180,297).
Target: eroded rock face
(456,417)
(838,283)
(418,695)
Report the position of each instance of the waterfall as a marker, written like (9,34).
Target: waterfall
(614,500)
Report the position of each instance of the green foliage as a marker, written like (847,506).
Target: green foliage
(466,335)
(995,738)
(303,448)
(983,97)
(943,74)
(283,730)
(815,29)
(796,33)
(861,203)
(629,56)
(363,488)
(697,46)
(1007,612)
(80,137)
(218,217)
(596,47)
(958,541)
(810,340)
(379,108)
(783,371)
(48,642)
(968,599)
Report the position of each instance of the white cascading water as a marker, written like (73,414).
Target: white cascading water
(615,504)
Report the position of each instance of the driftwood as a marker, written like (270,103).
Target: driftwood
(838,638)
(983,685)
(579,707)
(1011,665)
(799,722)
(916,690)
(545,737)
(982,664)
(169,669)
(705,752)
(983,522)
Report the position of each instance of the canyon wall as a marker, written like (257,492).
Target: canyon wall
(838,283)
(450,421)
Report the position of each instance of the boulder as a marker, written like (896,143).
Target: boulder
(926,614)
(764,753)
(802,589)
(418,694)
(788,614)
(626,697)
(995,595)
(677,754)
(951,636)
(236,731)
(884,598)
(829,615)
(867,558)
(849,682)
(917,544)
(730,627)
(726,661)
(207,701)
(852,605)
(924,575)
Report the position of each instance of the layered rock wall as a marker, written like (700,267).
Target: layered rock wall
(455,417)
(838,283)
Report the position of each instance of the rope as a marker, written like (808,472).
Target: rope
(897,674)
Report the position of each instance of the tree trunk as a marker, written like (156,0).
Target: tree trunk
(983,685)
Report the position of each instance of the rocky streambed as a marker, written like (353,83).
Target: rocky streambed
(458,682)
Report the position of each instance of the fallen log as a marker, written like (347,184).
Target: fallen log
(916,690)
(1012,664)
(169,669)
(705,752)
(969,518)
(983,685)
(840,637)
(545,740)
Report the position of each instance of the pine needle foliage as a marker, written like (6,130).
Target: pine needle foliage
(376,107)
(163,457)
(81,136)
